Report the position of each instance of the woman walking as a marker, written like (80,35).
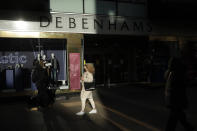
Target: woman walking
(88,76)
(175,95)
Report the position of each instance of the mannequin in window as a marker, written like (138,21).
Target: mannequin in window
(44,58)
(37,60)
(46,64)
(54,69)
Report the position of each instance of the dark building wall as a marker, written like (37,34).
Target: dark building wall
(172,9)
(29,10)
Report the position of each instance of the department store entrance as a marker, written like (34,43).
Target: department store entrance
(114,56)
(125,59)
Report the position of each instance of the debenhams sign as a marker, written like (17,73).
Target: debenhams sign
(76,23)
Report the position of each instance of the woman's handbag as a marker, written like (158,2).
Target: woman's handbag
(89,86)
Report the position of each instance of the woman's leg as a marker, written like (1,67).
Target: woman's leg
(184,121)
(92,103)
(93,111)
(83,104)
(172,120)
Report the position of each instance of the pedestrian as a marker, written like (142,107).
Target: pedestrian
(41,79)
(88,76)
(175,95)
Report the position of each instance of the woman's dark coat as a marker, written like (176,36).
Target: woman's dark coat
(41,79)
(175,90)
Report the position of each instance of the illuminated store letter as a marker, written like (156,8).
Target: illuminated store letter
(44,21)
(84,22)
(58,21)
(112,24)
(72,23)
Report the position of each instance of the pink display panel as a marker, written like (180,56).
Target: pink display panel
(74,61)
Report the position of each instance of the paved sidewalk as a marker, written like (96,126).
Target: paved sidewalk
(15,116)
(148,103)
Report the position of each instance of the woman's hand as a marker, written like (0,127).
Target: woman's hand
(82,79)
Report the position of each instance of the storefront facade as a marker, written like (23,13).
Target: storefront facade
(21,41)
(62,35)
(124,47)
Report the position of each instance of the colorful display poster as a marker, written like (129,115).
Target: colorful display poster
(74,66)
